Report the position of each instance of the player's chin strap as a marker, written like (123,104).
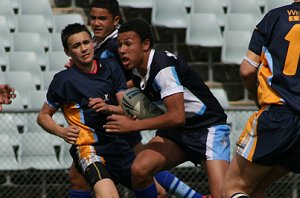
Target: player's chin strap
(240,195)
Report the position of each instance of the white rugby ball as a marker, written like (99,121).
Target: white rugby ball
(135,103)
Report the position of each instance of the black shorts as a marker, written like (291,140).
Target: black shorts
(117,157)
(272,137)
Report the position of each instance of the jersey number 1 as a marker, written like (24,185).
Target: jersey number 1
(293,53)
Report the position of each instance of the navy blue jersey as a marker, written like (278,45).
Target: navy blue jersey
(167,75)
(71,89)
(277,40)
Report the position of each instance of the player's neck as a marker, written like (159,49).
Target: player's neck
(144,64)
(88,67)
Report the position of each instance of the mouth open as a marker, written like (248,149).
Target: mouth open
(125,61)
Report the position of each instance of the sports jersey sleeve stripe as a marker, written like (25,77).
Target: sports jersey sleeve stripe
(168,82)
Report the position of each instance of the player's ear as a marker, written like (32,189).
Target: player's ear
(66,52)
(116,20)
(146,45)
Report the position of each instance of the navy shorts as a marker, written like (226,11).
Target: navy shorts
(133,138)
(117,156)
(212,143)
(272,137)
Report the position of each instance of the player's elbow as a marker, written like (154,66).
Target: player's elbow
(38,119)
(179,120)
(246,70)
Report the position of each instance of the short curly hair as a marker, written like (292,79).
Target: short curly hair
(139,26)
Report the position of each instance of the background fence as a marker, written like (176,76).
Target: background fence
(35,164)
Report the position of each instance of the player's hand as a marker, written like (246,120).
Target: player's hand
(99,105)
(70,134)
(119,124)
(7,93)
(69,64)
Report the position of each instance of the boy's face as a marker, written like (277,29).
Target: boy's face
(102,22)
(80,48)
(131,49)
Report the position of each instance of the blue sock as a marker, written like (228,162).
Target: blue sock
(175,186)
(80,194)
(149,192)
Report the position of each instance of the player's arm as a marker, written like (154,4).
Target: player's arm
(173,117)
(248,72)
(45,120)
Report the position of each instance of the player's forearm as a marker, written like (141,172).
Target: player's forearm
(48,124)
(163,121)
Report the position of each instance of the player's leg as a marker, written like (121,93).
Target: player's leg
(243,176)
(276,173)
(166,181)
(98,177)
(217,154)
(215,170)
(156,156)
(79,186)
(175,186)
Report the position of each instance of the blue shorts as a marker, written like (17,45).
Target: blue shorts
(272,137)
(212,143)
(117,157)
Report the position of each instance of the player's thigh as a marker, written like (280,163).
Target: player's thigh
(105,188)
(77,180)
(242,175)
(158,154)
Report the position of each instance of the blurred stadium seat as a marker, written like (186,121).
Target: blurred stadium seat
(203,30)
(25,24)
(25,61)
(169,14)
(6,10)
(211,6)
(5,34)
(60,21)
(28,41)
(40,7)
(56,60)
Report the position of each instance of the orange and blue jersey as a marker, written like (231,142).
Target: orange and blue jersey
(277,40)
(71,89)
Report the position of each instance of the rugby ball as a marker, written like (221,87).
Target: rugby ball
(135,103)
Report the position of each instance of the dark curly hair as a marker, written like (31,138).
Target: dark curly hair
(139,26)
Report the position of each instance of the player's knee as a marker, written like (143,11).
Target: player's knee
(140,172)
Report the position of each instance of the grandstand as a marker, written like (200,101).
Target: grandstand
(37,166)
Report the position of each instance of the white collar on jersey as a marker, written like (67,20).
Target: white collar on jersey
(114,34)
(146,77)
